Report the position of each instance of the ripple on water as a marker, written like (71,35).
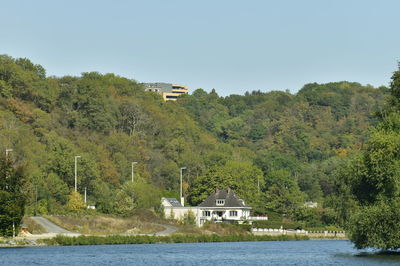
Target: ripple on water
(227,254)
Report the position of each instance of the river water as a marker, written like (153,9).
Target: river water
(321,252)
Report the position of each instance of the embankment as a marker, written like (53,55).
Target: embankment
(118,239)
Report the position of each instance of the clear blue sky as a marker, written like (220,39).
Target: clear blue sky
(232,46)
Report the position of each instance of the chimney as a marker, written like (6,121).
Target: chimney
(183,201)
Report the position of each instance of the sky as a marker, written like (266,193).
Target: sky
(232,46)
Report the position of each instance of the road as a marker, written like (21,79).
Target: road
(54,229)
(169,229)
(51,227)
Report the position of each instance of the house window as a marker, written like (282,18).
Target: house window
(233,213)
(220,202)
(206,213)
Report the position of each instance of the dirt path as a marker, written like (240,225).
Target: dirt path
(169,229)
(51,227)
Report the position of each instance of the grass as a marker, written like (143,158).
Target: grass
(176,238)
(102,224)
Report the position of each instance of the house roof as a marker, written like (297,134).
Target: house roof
(174,202)
(231,200)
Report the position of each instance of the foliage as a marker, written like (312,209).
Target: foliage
(283,194)
(376,226)
(75,202)
(372,183)
(242,177)
(246,142)
(189,218)
(12,198)
(118,239)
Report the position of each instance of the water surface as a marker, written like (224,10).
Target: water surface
(310,252)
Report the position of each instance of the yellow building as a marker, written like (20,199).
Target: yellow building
(170,92)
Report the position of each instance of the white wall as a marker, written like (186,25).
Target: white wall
(178,213)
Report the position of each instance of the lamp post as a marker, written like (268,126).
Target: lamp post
(133,163)
(76,172)
(36,196)
(7,151)
(182,199)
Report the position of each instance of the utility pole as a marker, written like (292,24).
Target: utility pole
(133,163)
(182,199)
(76,172)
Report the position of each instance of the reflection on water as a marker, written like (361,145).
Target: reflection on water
(237,253)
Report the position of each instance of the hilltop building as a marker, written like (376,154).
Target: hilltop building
(221,206)
(170,92)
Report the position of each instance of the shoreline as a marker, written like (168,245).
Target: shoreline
(61,240)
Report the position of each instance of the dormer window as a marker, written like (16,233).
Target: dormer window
(220,202)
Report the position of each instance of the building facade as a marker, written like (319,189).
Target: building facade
(221,206)
(169,91)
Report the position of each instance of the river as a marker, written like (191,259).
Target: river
(321,252)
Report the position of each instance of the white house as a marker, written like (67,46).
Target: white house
(221,206)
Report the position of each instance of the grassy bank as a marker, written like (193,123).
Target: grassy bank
(117,239)
(142,223)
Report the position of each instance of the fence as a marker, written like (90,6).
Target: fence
(270,231)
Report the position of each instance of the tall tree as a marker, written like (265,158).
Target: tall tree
(12,199)
(376,182)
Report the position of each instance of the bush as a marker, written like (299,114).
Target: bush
(277,224)
(118,239)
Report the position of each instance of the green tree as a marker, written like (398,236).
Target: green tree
(283,194)
(75,202)
(375,184)
(242,177)
(124,199)
(12,198)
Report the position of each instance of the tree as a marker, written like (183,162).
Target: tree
(124,200)
(283,194)
(242,177)
(12,199)
(75,202)
(375,184)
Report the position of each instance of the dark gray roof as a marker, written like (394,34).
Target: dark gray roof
(174,202)
(231,200)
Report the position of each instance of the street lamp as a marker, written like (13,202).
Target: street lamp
(7,151)
(182,199)
(85,197)
(76,172)
(133,163)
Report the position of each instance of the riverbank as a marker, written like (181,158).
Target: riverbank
(118,239)
(61,240)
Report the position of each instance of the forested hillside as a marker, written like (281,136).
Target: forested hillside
(276,149)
